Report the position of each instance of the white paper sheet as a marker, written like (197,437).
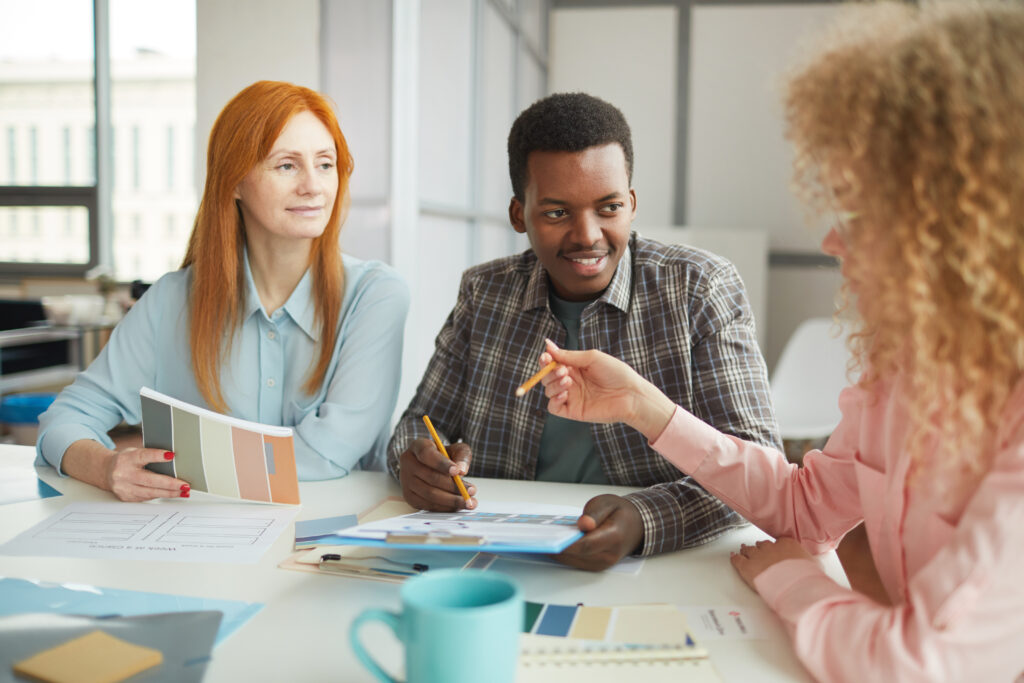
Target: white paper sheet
(172,531)
(728,622)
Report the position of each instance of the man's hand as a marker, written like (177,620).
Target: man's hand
(751,560)
(426,476)
(612,529)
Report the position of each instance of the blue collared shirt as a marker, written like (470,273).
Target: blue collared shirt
(343,427)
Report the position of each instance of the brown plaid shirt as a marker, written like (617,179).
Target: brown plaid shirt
(677,315)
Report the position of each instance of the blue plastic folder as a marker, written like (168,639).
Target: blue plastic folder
(313,532)
(18,596)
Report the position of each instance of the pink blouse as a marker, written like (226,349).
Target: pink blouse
(952,565)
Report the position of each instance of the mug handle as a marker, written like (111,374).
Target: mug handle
(391,620)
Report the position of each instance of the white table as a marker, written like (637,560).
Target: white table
(307,615)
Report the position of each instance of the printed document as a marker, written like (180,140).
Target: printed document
(174,531)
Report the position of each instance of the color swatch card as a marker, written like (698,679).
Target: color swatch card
(219,454)
(654,624)
(604,644)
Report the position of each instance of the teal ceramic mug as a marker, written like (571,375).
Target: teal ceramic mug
(456,627)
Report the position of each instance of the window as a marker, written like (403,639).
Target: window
(51,88)
(47,87)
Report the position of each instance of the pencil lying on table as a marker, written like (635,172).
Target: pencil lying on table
(440,447)
(532,382)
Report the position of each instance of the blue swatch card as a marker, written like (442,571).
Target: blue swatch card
(18,596)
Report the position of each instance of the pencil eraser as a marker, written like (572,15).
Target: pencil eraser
(520,392)
(96,657)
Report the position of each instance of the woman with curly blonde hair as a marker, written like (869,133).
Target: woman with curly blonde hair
(909,126)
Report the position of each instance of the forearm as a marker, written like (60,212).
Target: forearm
(88,461)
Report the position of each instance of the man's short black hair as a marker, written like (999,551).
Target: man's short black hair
(565,122)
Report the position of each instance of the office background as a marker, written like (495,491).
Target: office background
(426,91)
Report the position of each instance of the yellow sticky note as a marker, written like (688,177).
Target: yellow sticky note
(96,657)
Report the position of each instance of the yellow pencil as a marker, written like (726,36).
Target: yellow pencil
(440,447)
(532,382)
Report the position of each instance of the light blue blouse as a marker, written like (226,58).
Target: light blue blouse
(343,427)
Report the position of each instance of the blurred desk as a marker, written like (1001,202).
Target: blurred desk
(306,618)
(47,355)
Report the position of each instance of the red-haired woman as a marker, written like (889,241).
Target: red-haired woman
(266,320)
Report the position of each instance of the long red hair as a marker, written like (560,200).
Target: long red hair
(242,136)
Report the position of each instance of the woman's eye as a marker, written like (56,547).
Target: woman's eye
(286,166)
(327,165)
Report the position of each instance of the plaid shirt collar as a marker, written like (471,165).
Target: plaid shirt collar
(616,294)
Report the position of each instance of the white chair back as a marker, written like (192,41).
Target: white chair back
(807,380)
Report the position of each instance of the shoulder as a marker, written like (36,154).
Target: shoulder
(680,260)
(169,291)
(372,276)
(502,272)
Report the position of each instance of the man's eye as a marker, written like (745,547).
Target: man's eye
(555,213)
(612,208)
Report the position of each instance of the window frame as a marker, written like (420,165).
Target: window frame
(94,198)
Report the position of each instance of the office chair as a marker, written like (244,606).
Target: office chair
(806,383)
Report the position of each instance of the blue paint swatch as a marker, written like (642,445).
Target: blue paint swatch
(556,620)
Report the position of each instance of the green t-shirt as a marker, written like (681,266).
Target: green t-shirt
(566,446)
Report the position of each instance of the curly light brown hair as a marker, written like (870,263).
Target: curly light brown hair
(911,120)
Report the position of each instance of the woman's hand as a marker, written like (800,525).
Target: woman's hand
(122,472)
(752,560)
(591,386)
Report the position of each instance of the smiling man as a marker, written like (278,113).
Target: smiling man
(679,316)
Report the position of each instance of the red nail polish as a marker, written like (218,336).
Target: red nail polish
(185,494)
(168,455)
(185,487)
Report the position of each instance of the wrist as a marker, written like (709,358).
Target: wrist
(652,410)
(87,460)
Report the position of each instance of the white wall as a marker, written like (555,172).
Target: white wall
(628,57)
(737,162)
(239,42)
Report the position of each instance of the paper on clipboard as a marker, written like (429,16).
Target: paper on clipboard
(491,527)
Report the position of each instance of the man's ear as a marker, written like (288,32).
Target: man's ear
(632,197)
(515,215)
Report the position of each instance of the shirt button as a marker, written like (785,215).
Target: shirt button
(270,382)
(271,335)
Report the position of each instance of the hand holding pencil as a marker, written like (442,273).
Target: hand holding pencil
(428,469)
(591,386)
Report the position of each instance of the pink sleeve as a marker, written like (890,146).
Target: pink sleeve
(963,618)
(815,504)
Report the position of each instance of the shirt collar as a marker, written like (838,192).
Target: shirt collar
(616,294)
(299,306)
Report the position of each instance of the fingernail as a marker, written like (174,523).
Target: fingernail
(185,494)
(185,487)
(464,468)
(168,455)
